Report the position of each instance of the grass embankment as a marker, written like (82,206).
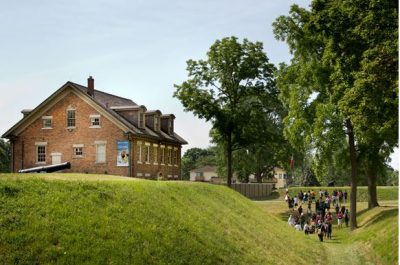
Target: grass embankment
(95,219)
(385,193)
(86,219)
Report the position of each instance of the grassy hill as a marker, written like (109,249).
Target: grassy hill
(92,219)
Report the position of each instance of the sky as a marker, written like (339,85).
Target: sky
(133,48)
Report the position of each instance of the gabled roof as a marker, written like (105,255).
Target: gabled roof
(101,100)
(107,99)
(205,169)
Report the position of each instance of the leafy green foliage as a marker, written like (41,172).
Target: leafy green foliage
(195,158)
(219,88)
(339,50)
(4,156)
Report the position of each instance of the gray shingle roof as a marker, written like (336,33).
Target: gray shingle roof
(108,100)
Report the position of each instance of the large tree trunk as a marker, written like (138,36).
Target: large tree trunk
(372,195)
(353,161)
(258,176)
(229,158)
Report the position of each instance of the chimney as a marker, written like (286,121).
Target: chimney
(90,86)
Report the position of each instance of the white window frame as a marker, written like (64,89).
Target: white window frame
(155,154)
(39,145)
(75,148)
(175,154)
(72,119)
(139,145)
(44,125)
(162,158)
(99,157)
(93,120)
(147,153)
(169,156)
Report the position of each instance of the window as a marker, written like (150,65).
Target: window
(100,152)
(199,174)
(78,150)
(162,155)
(169,156)
(70,118)
(47,122)
(170,126)
(155,153)
(280,175)
(147,154)
(141,120)
(94,121)
(156,123)
(139,154)
(175,157)
(41,153)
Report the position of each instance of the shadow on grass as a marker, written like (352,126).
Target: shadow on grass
(381,217)
(273,196)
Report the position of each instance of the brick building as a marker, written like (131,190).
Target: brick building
(97,133)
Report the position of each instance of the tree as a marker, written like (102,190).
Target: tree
(339,47)
(4,156)
(219,87)
(197,157)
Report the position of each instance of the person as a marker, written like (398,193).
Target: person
(286,197)
(328,217)
(340,194)
(329,230)
(343,209)
(291,204)
(296,200)
(337,207)
(309,228)
(305,198)
(306,229)
(302,220)
(297,227)
(322,207)
(312,195)
(320,232)
(345,196)
(291,221)
(339,219)
(346,217)
(300,209)
(309,211)
(328,202)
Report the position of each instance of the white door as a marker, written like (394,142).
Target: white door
(55,158)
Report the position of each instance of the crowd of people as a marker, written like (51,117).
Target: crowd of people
(320,220)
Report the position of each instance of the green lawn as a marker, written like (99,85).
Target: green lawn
(96,219)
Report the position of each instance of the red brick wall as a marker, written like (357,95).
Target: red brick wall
(61,140)
(155,167)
